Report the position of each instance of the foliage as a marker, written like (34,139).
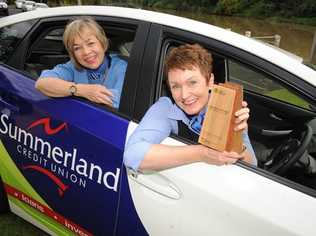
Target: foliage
(286,96)
(230,7)
(281,9)
(180,4)
(260,9)
(296,11)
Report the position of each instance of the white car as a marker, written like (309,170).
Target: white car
(62,159)
(28,6)
(4,8)
(39,5)
(19,3)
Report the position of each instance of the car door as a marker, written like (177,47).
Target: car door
(201,199)
(61,158)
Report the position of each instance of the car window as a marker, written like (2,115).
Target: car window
(262,84)
(272,124)
(49,49)
(46,52)
(10,37)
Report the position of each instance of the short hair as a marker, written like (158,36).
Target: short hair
(188,56)
(75,27)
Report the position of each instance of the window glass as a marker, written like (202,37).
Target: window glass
(49,51)
(10,36)
(52,41)
(46,52)
(262,84)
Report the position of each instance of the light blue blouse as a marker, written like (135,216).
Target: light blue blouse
(113,81)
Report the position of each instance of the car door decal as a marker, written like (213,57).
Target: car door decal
(47,127)
(40,161)
(64,171)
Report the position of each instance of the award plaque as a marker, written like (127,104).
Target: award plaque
(218,127)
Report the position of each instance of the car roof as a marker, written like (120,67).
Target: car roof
(257,48)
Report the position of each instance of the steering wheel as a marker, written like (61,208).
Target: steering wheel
(290,151)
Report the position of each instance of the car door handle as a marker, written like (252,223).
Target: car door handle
(273,133)
(157,183)
(274,116)
(9,105)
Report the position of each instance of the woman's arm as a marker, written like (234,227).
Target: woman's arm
(160,157)
(55,87)
(249,157)
(152,130)
(143,150)
(57,82)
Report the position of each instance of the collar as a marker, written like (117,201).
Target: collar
(103,67)
(176,113)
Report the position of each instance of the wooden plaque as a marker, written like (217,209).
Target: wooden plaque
(218,127)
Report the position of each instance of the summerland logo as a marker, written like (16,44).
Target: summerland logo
(53,161)
(46,124)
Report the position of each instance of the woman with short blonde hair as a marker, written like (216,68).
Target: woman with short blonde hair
(74,29)
(91,73)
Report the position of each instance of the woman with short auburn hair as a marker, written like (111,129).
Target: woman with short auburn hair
(190,79)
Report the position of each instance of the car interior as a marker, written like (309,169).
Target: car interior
(281,128)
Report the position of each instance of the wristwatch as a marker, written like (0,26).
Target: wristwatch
(72,89)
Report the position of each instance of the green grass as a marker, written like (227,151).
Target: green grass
(285,95)
(12,225)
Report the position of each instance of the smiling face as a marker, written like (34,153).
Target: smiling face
(190,89)
(88,50)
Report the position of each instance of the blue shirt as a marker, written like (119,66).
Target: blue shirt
(158,123)
(113,81)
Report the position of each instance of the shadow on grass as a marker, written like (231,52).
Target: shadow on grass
(12,225)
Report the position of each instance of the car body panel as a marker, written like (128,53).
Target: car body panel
(40,5)
(28,5)
(19,3)
(4,7)
(32,140)
(231,199)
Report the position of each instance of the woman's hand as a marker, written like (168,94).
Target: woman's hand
(95,93)
(214,157)
(242,116)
